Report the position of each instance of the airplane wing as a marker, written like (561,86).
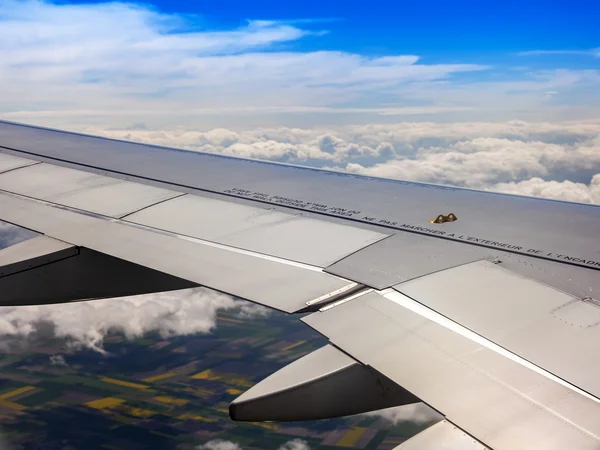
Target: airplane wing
(484,306)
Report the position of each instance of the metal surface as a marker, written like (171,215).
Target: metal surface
(32,253)
(442,436)
(82,190)
(84,275)
(556,230)
(498,399)
(10,162)
(405,256)
(485,383)
(550,328)
(323,384)
(257,229)
(282,285)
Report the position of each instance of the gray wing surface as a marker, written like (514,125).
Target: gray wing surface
(493,319)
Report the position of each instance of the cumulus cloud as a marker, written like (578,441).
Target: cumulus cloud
(131,59)
(417,413)
(219,444)
(558,190)
(296,444)
(86,324)
(58,360)
(555,160)
(64,64)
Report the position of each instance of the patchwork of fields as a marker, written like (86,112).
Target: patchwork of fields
(154,393)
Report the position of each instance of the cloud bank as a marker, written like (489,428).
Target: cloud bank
(559,160)
(86,324)
(219,444)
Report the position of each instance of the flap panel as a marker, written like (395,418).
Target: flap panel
(82,190)
(550,328)
(10,162)
(273,282)
(502,400)
(261,230)
(405,256)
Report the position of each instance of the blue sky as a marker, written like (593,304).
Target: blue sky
(298,63)
(434,28)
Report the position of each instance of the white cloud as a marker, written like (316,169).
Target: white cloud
(296,444)
(417,413)
(219,444)
(591,52)
(558,190)
(85,324)
(58,360)
(481,155)
(104,63)
(126,59)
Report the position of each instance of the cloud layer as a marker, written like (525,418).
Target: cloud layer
(86,324)
(219,444)
(559,160)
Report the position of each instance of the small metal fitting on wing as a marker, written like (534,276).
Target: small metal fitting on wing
(441,218)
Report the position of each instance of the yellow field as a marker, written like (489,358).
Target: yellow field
(170,400)
(163,376)
(15,392)
(108,402)
(296,344)
(124,383)
(350,438)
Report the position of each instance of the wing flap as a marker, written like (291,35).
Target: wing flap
(404,256)
(10,162)
(278,283)
(289,236)
(82,190)
(550,328)
(488,392)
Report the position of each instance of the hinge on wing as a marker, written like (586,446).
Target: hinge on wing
(337,296)
(442,218)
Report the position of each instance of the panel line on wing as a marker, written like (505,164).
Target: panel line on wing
(12,169)
(153,204)
(418,308)
(169,233)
